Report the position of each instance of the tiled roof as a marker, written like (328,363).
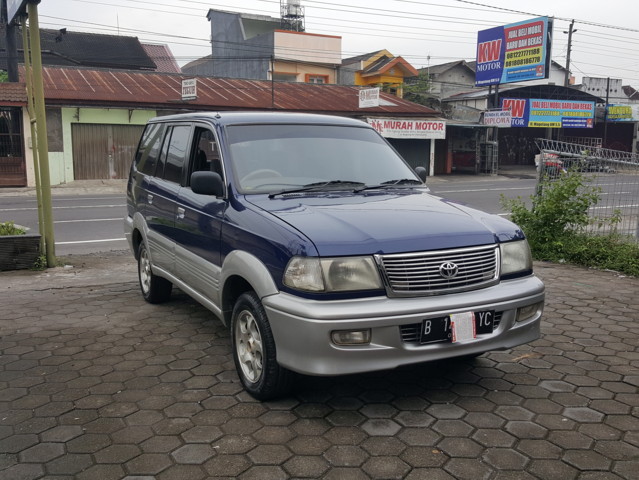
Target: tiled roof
(87,87)
(359,58)
(162,57)
(443,67)
(13,94)
(66,48)
(384,64)
(630,92)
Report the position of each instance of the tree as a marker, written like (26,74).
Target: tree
(418,90)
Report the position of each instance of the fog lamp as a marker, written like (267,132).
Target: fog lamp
(351,337)
(528,312)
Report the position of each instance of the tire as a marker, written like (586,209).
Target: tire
(254,350)
(154,289)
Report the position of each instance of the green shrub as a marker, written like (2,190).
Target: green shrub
(9,228)
(555,226)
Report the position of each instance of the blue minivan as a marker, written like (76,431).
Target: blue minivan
(320,248)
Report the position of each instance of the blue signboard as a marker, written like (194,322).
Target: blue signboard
(540,113)
(514,53)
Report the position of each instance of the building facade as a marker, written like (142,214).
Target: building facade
(255,47)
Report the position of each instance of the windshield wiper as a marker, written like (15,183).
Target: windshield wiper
(391,183)
(315,186)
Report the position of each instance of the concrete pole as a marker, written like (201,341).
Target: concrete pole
(41,126)
(34,136)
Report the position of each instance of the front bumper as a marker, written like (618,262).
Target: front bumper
(302,328)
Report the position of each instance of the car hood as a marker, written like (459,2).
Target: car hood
(340,223)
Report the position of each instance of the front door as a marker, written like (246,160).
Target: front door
(13,172)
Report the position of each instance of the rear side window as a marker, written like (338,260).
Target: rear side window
(147,155)
(176,153)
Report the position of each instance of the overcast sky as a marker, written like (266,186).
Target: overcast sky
(605,42)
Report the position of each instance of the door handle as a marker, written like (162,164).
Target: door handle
(149,199)
(180,213)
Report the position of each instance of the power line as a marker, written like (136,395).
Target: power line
(406,32)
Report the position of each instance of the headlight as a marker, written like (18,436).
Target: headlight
(515,257)
(341,274)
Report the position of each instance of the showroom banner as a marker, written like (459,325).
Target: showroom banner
(623,113)
(514,53)
(540,113)
(402,128)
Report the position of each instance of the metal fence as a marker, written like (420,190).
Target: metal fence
(614,172)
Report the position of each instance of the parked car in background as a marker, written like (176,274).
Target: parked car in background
(320,248)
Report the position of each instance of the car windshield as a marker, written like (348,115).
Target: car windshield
(274,158)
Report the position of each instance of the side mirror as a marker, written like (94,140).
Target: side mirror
(421,173)
(207,183)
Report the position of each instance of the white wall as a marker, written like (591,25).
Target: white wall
(308,47)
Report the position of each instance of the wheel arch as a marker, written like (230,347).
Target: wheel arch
(138,232)
(243,272)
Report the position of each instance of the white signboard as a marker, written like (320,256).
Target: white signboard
(409,128)
(500,118)
(189,89)
(15,7)
(369,97)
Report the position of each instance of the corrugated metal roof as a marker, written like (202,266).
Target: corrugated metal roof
(87,87)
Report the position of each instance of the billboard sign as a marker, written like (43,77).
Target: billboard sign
(403,128)
(189,89)
(623,113)
(500,119)
(14,8)
(369,97)
(540,113)
(514,53)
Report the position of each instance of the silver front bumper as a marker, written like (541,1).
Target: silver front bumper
(302,328)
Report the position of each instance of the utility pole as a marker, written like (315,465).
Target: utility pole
(569,32)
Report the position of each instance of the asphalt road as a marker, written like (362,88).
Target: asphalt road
(82,223)
(483,194)
(93,223)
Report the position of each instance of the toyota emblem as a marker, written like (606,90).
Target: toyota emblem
(448,270)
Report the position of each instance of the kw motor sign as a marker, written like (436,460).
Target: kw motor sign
(514,53)
(540,113)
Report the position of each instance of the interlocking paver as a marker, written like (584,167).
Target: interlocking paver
(151,393)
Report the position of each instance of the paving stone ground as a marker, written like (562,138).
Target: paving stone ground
(97,384)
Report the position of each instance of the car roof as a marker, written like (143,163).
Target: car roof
(244,118)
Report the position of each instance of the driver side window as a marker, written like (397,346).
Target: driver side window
(205,156)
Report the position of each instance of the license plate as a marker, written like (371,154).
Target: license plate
(441,329)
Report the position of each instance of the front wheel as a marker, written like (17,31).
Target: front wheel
(254,350)
(154,289)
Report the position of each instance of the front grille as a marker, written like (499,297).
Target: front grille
(425,273)
(411,333)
